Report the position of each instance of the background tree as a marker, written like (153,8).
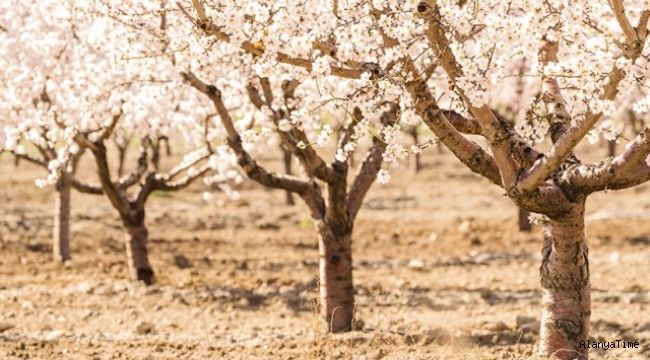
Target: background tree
(80,86)
(583,57)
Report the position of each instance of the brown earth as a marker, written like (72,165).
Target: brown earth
(441,272)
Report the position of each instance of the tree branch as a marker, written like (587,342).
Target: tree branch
(116,197)
(30,158)
(564,146)
(252,169)
(182,167)
(468,152)
(365,176)
(623,21)
(82,187)
(308,156)
(205,24)
(559,118)
(492,129)
(133,178)
(623,171)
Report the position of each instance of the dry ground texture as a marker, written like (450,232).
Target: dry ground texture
(441,272)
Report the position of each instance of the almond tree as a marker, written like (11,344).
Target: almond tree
(334,212)
(583,56)
(72,83)
(48,159)
(24,102)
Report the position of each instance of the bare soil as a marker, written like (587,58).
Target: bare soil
(441,272)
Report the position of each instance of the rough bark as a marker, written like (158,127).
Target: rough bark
(336,289)
(61,238)
(137,253)
(566,303)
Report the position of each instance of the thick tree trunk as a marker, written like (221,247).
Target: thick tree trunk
(524,223)
(566,303)
(137,254)
(61,236)
(336,290)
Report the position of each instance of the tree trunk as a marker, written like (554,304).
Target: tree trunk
(287,170)
(121,158)
(566,303)
(524,223)
(336,290)
(61,236)
(417,165)
(137,254)
(611,148)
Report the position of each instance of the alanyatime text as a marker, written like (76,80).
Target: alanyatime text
(616,344)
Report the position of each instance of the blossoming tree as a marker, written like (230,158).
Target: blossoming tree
(29,62)
(74,83)
(302,133)
(583,57)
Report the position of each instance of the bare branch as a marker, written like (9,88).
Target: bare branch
(114,194)
(82,187)
(270,179)
(215,96)
(133,178)
(163,182)
(252,169)
(365,177)
(183,167)
(468,152)
(30,158)
(623,171)
(463,124)
(76,157)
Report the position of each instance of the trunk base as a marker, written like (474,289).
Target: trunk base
(336,289)
(146,275)
(137,254)
(566,300)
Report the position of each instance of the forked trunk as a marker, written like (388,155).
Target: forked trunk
(137,254)
(61,236)
(566,303)
(336,290)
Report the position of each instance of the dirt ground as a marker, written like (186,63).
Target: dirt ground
(441,272)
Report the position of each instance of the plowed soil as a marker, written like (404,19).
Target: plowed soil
(441,272)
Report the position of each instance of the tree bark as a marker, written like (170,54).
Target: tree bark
(137,254)
(61,236)
(286,158)
(524,223)
(611,148)
(417,165)
(566,302)
(336,289)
